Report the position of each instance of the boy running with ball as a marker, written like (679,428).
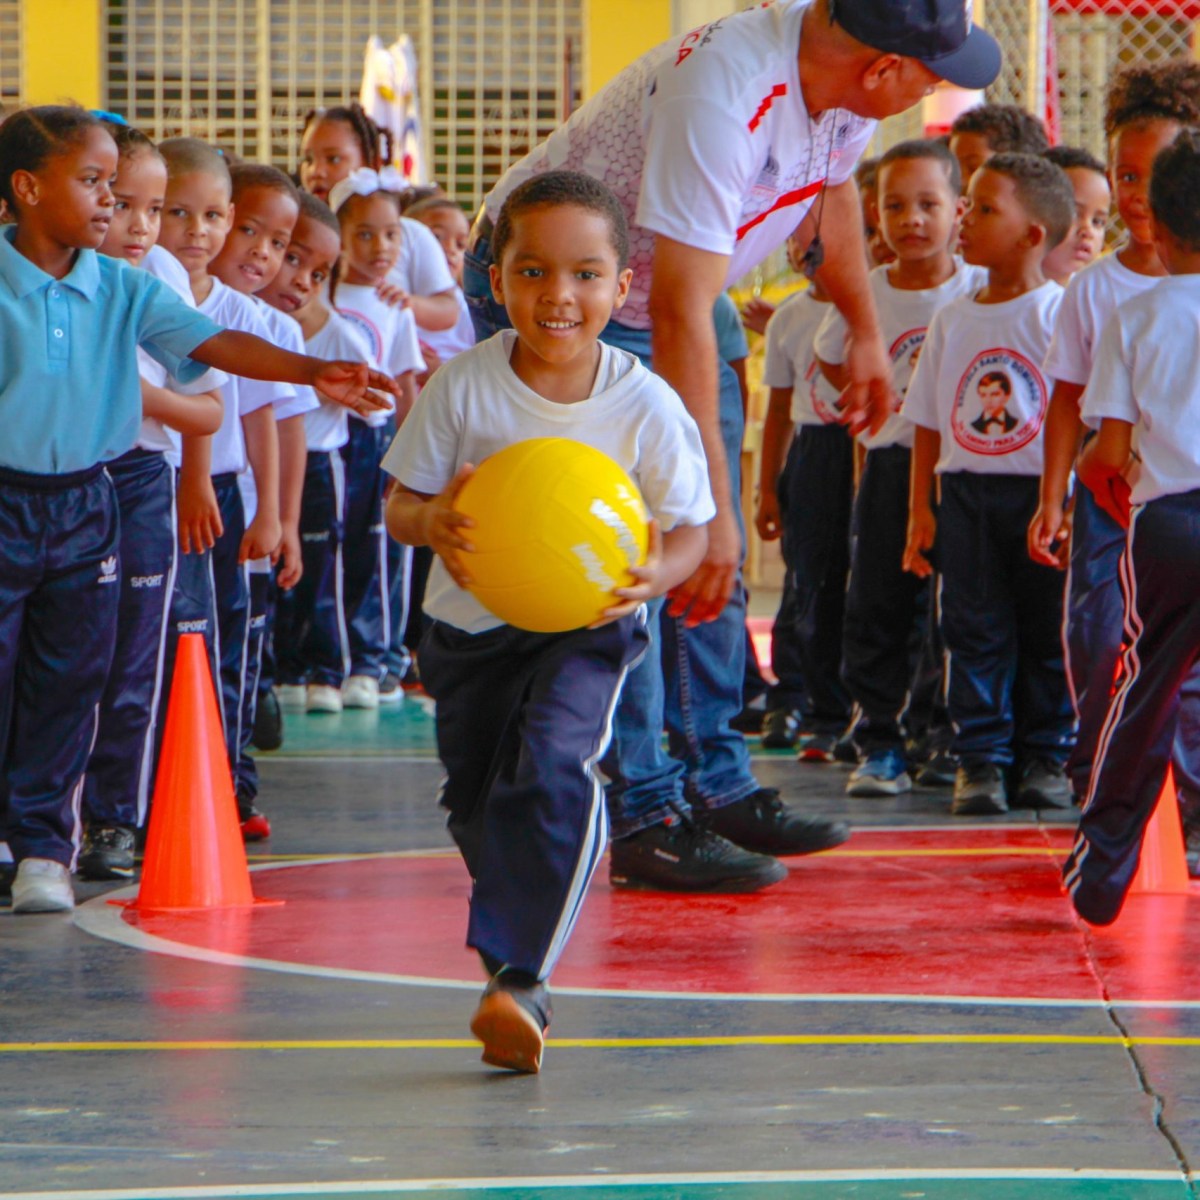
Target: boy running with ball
(523,718)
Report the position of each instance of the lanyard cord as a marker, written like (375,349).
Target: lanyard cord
(814,256)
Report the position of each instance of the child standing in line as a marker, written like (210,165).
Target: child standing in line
(1146,375)
(266,205)
(65,413)
(117,786)
(1146,109)
(368,212)
(887,609)
(538,706)
(989,129)
(1093,200)
(978,399)
(806,483)
(311,642)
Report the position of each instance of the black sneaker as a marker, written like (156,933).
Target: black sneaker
(1043,784)
(750,720)
(511,1021)
(685,857)
(781,728)
(939,770)
(268,721)
(762,823)
(391,689)
(107,853)
(979,791)
(845,751)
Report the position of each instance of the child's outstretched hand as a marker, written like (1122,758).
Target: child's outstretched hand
(198,513)
(262,539)
(355,386)
(646,584)
(922,527)
(443,529)
(289,555)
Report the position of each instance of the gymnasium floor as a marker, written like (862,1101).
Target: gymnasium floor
(915,1015)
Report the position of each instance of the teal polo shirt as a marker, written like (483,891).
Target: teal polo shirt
(69,390)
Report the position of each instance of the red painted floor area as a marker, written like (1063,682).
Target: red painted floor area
(973,913)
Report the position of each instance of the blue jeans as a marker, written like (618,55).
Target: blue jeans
(689,682)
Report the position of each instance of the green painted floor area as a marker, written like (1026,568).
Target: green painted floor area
(403,730)
(985,1188)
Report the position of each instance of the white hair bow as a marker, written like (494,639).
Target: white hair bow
(365,182)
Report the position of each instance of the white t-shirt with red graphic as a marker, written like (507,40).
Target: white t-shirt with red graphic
(791,361)
(707,141)
(904,317)
(979,382)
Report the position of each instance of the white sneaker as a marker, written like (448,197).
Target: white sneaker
(42,886)
(292,696)
(360,691)
(323,698)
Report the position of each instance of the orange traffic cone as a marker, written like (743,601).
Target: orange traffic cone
(1162,870)
(195,857)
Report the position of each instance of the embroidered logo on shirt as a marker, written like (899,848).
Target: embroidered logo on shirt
(108,569)
(1000,403)
(145,581)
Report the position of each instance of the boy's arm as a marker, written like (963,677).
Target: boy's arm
(262,449)
(776,438)
(419,519)
(406,397)
(670,558)
(293,459)
(198,513)
(198,415)
(436,312)
(1063,433)
(352,385)
(922,525)
(1101,468)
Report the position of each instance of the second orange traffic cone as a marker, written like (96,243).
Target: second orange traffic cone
(1162,869)
(195,857)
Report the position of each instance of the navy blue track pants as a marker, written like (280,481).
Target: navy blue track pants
(522,721)
(59,595)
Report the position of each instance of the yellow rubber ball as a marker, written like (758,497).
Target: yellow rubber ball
(558,524)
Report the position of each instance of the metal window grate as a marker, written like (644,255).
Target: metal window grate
(496,76)
(10,53)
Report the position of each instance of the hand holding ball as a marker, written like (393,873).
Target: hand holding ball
(557,525)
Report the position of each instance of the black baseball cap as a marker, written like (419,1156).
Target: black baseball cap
(938,33)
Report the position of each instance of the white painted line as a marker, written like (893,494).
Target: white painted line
(376,1186)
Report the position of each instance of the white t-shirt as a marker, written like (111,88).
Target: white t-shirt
(1147,372)
(241,396)
(154,435)
(979,382)
(904,317)
(290,399)
(390,333)
(325,427)
(475,405)
(707,141)
(421,269)
(446,343)
(791,361)
(1092,296)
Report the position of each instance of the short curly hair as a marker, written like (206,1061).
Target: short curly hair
(1068,157)
(1174,186)
(553,189)
(1167,91)
(1009,129)
(1043,189)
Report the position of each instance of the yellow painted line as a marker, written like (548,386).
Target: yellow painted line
(629,1043)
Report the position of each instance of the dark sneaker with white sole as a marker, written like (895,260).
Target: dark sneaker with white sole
(682,856)
(781,728)
(511,1021)
(979,791)
(1043,784)
(107,853)
(764,824)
